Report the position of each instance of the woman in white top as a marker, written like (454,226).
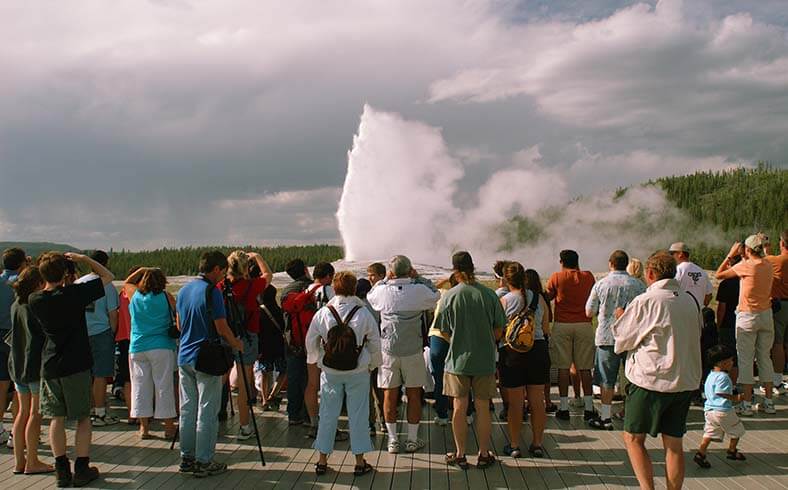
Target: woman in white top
(336,384)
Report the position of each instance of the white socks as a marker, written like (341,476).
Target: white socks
(605,411)
(589,403)
(563,403)
(391,429)
(413,431)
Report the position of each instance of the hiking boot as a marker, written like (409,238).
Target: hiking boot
(413,446)
(84,476)
(187,466)
(209,469)
(63,474)
(562,414)
(589,415)
(245,432)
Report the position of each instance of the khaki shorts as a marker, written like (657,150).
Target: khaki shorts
(720,423)
(70,396)
(754,341)
(408,371)
(459,386)
(572,342)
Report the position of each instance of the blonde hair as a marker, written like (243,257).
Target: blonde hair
(238,264)
(635,268)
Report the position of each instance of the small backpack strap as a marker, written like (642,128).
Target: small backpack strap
(335,314)
(350,315)
(534,301)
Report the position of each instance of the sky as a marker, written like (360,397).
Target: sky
(163,123)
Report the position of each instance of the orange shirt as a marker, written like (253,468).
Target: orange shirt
(571,288)
(755,286)
(780,282)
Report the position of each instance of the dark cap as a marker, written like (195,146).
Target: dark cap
(462,262)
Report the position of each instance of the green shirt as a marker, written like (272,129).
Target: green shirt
(470,313)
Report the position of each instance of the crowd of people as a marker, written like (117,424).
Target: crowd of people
(339,344)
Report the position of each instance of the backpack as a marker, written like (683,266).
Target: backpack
(341,350)
(299,307)
(521,329)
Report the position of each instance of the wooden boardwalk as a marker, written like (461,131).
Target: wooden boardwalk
(577,457)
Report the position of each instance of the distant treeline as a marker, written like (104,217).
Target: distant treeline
(741,201)
(184,261)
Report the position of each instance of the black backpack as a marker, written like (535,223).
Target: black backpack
(341,351)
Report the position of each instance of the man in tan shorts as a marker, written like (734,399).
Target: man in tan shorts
(572,339)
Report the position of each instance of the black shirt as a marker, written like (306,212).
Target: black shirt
(728,293)
(27,343)
(61,313)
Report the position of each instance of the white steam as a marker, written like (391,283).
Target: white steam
(401,197)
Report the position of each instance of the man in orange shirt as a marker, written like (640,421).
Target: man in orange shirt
(572,340)
(780,310)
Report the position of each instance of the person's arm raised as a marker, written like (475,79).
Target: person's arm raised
(265,271)
(104,274)
(725,271)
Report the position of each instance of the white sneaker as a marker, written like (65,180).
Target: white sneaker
(781,390)
(10,443)
(744,409)
(413,446)
(394,446)
(441,422)
(767,406)
(5,436)
(245,432)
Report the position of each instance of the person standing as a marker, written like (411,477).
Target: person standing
(572,336)
(14,260)
(660,333)
(346,383)
(727,302)
(200,393)
(102,320)
(298,312)
(614,291)
(66,380)
(691,277)
(780,311)
(401,300)
(754,321)
(472,314)
(122,382)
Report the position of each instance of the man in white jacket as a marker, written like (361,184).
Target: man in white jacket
(401,299)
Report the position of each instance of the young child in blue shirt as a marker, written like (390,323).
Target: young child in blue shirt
(721,418)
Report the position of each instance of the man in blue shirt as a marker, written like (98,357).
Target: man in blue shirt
(14,260)
(102,320)
(200,392)
(612,293)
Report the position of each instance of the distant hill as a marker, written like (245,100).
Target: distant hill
(35,249)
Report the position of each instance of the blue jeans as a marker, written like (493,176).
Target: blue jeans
(296,384)
(199,424)
(439,349)
(333,388)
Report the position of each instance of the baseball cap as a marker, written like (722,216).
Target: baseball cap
(679,247)
(400,265)
(755,241)
(462,261)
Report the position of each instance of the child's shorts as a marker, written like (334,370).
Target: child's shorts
(720,423)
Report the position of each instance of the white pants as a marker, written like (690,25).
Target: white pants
(754,339)
(152,379)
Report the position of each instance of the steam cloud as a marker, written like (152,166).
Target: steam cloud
(402,195)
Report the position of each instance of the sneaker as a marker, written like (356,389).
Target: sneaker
(5,436)
(744,409)
(590,415)
(514,452)
(767,406)
(441,421)
(117,392)
(209,469)
(469,419)
(551,408)
(601,424)
(87,475)
(10,443)
(562,414)
(103,420)
(187,466)
(781,390)
(394,446)
(245,432)
(413,446)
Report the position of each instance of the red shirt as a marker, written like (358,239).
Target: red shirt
(243,293)
(124,319)
(571,288)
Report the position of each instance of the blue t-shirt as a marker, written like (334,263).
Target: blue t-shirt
(7,278)
(150,322)
(193,317)
(97,313)
(718,382)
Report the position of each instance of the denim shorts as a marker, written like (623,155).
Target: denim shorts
(249,355)
(27,388)
(102,347)
(607,365)
(278,365)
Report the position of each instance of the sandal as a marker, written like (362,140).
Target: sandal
(486,460)
(362,470)
(321,469)
(736,455)
(701,460)
(536,451)
(453,460)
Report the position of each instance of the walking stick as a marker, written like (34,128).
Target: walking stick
(174,438)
